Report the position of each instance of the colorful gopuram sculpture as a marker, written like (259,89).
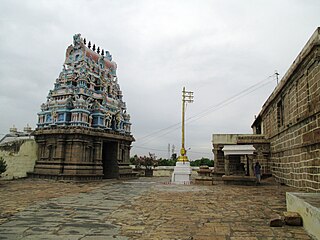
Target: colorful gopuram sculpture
(83,127)
(86,93)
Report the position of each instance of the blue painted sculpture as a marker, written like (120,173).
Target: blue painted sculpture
(86,93)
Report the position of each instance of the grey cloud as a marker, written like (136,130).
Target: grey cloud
(214,48)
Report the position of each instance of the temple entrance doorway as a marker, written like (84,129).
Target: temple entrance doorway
(238,159)
(109,160)
(236,167)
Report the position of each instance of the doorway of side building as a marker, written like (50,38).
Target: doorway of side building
(236,166)
(109,160)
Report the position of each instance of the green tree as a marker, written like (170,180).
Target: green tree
(133,159)
(3,165)
(202,161)
(167,162)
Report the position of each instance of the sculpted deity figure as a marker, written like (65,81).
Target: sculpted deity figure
(90,102)
(90,120)
(126,116)
(108,55)
(54,116)
(108,119)
(44,107)
(119,120)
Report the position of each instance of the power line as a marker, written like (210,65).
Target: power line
(208,110)
(225,103)
(160,130)
(162,150)
(154,149)
(199,152)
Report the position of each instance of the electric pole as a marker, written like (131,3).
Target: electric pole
(277,76)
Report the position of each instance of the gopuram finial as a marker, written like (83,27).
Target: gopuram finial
(102,53)
(76,39)
(89,45)
(98,50)
(84,41)
(94,47)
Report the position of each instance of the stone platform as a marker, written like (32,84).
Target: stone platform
(145,209)
(181,173)
(204,176)
(239,180)
(83,177)
(308,206)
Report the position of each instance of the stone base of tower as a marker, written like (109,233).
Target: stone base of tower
(82,153)
(125,172)
(92,177)
(182,173)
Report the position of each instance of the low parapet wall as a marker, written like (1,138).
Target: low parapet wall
(20,157)
(308,206)
(166,171)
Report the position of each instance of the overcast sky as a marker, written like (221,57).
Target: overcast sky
(217,49)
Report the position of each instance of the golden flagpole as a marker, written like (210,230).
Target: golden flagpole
(187,97)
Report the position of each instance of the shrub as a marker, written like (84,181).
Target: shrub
(147,162)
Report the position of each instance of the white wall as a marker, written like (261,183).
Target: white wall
(21,162)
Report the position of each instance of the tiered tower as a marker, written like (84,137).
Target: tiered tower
(83,127)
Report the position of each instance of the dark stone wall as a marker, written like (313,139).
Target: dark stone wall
(80,152)
(291,121)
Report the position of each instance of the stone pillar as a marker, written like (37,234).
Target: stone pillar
(68,150)
(97,157)
(215,155)
(218,158)
(226,165)
(60,153)
(251,172)
(60,150)
(75,150)
(42,149)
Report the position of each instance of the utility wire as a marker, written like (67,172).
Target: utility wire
(199,152)
(158,131)
(208,110)
(154,149)
(161,150)
(223,104)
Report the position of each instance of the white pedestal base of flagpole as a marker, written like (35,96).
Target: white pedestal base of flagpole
(182,173)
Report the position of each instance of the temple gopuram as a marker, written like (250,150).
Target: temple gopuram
(83,129)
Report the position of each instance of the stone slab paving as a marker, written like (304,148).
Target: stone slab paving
(16,195)
(148,208)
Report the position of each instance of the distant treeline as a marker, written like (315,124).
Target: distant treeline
(171,162)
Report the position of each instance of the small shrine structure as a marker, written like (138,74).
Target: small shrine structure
(83,129)
(235,155)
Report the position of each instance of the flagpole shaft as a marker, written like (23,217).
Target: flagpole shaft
(183,114)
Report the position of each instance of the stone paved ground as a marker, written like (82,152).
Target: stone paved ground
(16,195)
(145,208)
